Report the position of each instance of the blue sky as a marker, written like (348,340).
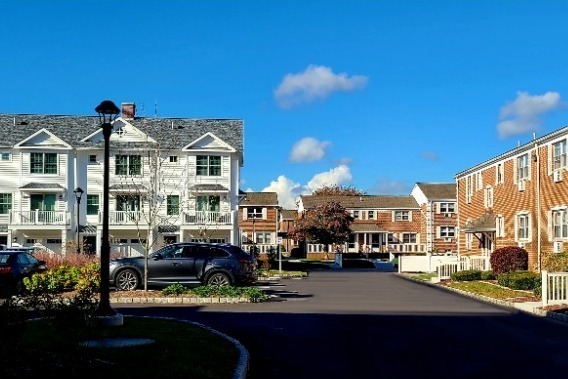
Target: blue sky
(376,95)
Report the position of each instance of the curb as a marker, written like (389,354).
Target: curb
(503,303)
(179,300)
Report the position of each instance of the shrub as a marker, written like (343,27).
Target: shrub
(466,275)
(488,275)
(554,262)
(508,259)
(175,289)
(519,280)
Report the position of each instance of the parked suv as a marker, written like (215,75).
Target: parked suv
(188,263)
(14,267)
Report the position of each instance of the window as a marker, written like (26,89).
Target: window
(447,207)
(523,167)
(92,158)
(128,203)
(559,154)
(42,202)
(254,213)
(173,158)
(172,205)
(560,223)
(401,216)
(499,174)
(6,156)
(468,240)
(447,231)
(128,165)
(52,241)
(264,237)
(371,215)
(208,203)
(43,163)
(92,204)
(488,197)
(391,238)
(356,215)
(409,238)
(478,181)
(523,222)
(468,189)
(5,203)
(208,165)
(500,226)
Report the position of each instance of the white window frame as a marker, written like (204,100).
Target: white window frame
(559,155)
(499,173)
(499,226)
(402,216)
(468,189)
(468,241)
(523,226)
(523,165)
(559,223)
(446,232)
(488,197)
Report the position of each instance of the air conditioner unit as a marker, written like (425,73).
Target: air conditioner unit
(557,176)
(521,185)
(448,239)
(521,245)
(558,246)
(449,215)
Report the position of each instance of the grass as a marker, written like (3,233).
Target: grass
(489,290)
(49,348)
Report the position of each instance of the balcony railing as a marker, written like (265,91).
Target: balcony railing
(37,217)
(206,218)
(124,218)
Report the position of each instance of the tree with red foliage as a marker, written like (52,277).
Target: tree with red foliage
(337,190)
(508,259)
(328,223)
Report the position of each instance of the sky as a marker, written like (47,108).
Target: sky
(372,95)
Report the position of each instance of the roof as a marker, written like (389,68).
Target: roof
(180,132)
(288,214)
(485,223)
(366,228)
(260,199)
(437,191)
(363,201)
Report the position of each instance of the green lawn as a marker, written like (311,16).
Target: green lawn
(180,350)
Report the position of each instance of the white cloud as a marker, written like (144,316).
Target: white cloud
(522,115)
(287,190)
(429,155)
(337,176)
(316,82)
(386,186)
(308,149)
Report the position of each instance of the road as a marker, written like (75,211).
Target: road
(371,324)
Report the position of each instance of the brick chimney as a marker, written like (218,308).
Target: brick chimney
(128,110)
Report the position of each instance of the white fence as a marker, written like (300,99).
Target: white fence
(424,263)
(554,288)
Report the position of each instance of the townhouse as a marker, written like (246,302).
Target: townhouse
(171,179)
(258,221)
(518,198)
(381,224)
(438,205)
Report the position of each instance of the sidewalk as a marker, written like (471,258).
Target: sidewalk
(532,307)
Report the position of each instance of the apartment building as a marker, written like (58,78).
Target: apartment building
(380,223)
(518,198)
(171,179)
(438,205)
(259,220)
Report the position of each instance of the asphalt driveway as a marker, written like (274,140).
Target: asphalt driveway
(371,324)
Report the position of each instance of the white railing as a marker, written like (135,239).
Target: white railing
(554,288)
(406,248)
(37,217)
(474,262)
(425,262)
(446,270)
(206,218)
(123,217)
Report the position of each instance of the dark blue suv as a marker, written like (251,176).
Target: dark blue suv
(188,263)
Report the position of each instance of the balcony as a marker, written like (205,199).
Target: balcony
(124,218)
(37,217)
(207,218)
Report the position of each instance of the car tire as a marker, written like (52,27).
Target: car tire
(218,279)
(127,280)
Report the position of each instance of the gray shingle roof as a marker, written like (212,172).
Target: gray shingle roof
(260,198)
(178,132)
(362,202)
(438,191)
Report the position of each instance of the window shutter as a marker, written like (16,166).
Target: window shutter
(245,213)
(264,211)
(410,216)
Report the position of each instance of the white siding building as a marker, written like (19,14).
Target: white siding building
(171,179)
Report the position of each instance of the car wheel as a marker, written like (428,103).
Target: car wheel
(218,279)
(127,280)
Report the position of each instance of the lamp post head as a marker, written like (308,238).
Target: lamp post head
(78,193)
(107,111)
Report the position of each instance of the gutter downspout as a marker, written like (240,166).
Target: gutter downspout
(539,213)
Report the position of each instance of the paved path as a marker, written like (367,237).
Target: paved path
(370,324)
